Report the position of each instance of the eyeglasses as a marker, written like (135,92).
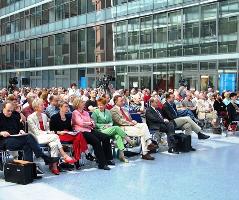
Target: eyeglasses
(10,111)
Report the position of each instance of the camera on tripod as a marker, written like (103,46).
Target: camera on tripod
(183,82)
(13,81)
(12,84)
(105,81)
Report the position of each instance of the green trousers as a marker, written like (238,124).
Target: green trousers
(117,133)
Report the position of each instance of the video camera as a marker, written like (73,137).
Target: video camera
(12,84)
(183,82)
(13,81)
(105,81)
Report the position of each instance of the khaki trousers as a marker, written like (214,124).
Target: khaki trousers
(52,140)
(187,124)
(141,130)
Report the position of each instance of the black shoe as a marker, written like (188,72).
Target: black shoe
(49,160)
(147,156)
(104,167)
(202,136)
(77,165)
(173,150)
(110,162)
(89,157)
(66,166)
(192,149)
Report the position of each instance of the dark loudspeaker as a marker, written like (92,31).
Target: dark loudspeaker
(25,81)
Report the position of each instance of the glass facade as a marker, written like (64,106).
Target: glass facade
(152,43)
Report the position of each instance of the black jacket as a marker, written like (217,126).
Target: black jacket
(152,118)
(168,111)
(232,114)
(9,124)
(219,106)
(56,124)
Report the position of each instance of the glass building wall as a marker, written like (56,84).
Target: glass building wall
(59,37)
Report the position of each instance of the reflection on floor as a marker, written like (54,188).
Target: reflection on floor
(207,174)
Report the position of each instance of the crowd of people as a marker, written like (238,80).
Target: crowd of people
(32,117)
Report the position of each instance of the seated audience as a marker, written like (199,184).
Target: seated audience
(108,105)
(155,120)
(44,97)
(91,104)
(187,103)
(205,109)
(137,105)
(60,123)
(233,108)
(122,118)
(219,106)
(29,109)
(226,99)
(38,126)
(100,142)
(170,113)
(52,109)
(181,110)
(104,123)
(16,108)
(10,127)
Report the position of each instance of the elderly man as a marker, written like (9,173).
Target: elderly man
(170,112)
(13,138)
(155,120)
(206,110)
(122,118)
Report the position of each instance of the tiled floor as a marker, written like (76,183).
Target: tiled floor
(207,174)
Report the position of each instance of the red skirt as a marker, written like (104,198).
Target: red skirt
(78,141)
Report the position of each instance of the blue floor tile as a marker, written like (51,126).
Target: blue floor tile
(207,174)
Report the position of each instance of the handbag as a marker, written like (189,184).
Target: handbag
(183,142)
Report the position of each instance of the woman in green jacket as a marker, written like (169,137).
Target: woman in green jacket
(104,123)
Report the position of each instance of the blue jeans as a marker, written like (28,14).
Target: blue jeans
(184,113)
(27,143)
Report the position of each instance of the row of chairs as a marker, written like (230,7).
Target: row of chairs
(156,135)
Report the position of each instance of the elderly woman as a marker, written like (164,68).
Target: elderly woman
(38,126)
(137,104)
(82,122)
(206,110)
(104,123)
(60,123)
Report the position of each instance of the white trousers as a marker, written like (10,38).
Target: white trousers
(52,140)
(141,130)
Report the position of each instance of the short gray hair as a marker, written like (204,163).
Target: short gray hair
(153,99)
